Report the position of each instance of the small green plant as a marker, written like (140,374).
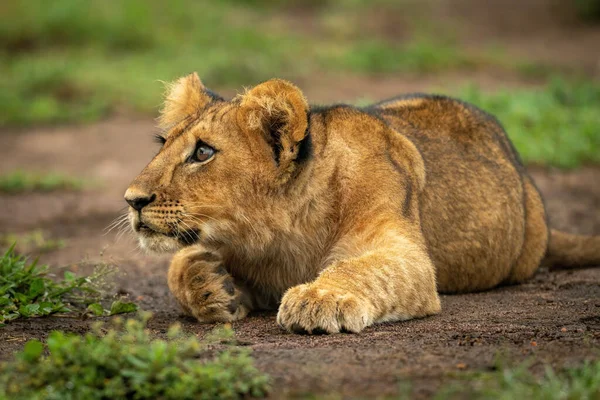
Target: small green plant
(36,240)
(508,383)
(26,290)
(125,362)
(20,181)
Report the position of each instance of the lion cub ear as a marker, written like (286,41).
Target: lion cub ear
(276,110)
(184,97)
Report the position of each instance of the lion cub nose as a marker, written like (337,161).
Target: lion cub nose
(138,200)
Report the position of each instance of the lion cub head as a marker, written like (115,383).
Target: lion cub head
(222,163)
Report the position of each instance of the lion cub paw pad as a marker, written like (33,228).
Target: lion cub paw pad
(317,310)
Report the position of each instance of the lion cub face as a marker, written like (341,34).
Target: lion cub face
(220,163)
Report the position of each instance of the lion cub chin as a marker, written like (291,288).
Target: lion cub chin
(330,214)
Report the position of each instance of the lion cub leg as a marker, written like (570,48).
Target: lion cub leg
(205,289)
(395,280)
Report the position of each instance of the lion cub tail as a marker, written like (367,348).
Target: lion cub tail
(566,250)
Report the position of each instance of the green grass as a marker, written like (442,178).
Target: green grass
(33,241)
(579,383)
(124,361)
(21,181)
(376,57)
(556,125)
(27,290)
(74,60)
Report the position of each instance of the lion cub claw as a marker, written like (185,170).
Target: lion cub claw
(204,289)
(314,309)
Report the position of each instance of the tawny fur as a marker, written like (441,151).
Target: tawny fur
(340,217)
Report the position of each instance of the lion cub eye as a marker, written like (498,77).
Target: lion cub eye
(203,153)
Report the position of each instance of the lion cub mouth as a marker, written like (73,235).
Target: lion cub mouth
(185,237)
(145,229)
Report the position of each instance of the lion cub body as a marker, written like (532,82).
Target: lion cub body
(444,167)
(483,219)
(340,216)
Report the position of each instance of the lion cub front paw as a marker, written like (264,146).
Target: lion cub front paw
(204,289)
(310,308)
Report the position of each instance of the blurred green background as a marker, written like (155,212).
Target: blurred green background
(533,63)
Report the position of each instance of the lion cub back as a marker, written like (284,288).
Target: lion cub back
(473,208)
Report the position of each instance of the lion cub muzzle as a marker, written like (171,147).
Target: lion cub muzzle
(157,221)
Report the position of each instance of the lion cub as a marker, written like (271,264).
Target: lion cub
(339,216)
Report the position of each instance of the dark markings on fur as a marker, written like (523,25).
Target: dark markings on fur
(233,306)
(328,111)
(210,112)
(225,111)
(214,96)
(326,130)
(397,167)
(406,209)
(274,138)
(325,109)
(508,148)
(192,120)
(305,147)
(213,116)
(497,130)
(221,271)
(206,295)
(206,256)
(229,287)
(303,304)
